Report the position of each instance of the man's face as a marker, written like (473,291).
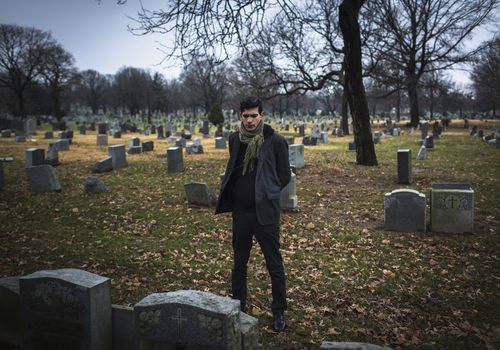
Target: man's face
(251,118)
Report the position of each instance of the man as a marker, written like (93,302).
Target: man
(257,170)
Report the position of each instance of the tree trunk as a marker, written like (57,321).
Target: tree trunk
(413,98)
(56,104)
(348,19)
(431,107)
(344,124)
(398,106)
(20,104)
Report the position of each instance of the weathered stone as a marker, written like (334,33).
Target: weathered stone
(66,309)
(35,156)
(352,146)
(49,135)
(296,155)
(43,178)
(288,196)
(118,156)
(452,208)
(102,128)
(181,142)
(175,163)
(249,332)
(422,152)
(10,306)
(135,150)
(309,141)
(191,319)
(20,138)
(102,139)
(220,143)
(404,211)
(103,165)
(404,166)
(62,145)
(124,328)
(93,184)
(200,194)
(147,146)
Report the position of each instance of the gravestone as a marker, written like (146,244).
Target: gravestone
(296,155)
(69,134)
(404,211)
(147,146)
(249,332)
(424,128)
(175,162)
(324,137)
(43,178)
(206,127)
(404,166)
(5,134)
(66,309)
(192,148)
(302,130)
(49,135)
(103,165)
(452,208)
(117,134)
(82,130)
(429,143)
(220,143)
(134,141)
(309,141)
(20,138)
(153,129)
(124,328)
(340,133)
(188,319)
(421,153)
(187,135)
(30,126)
(35,156)
(160,133)
(377,137)
(10,306)
(61,145)
(52,155)
(134,150)
(288,195)
(181,142)
(352,146)
(199,194)
(395,132)
(118,156)
(93,184)
(102,128)
(171,139)
(327,345)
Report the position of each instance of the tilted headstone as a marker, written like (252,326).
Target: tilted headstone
(103,165)
(288,195)
(188,319)
(404,211)
(327,345)
(10,306)
(35,156)
(404,166)
(124,328)
(93,184)
(61,145)
(118,156)
(175,163)
(43,178)
(422,152)
(452,208)
(5,134)
(296,155)
(147,146)
(62,135)
(200,194)
(102,139)
(220,143)
(66,309)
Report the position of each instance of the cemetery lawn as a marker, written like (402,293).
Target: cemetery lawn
(347,278)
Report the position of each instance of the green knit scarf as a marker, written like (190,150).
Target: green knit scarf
(254,140)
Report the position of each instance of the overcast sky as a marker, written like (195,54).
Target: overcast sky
(96,34)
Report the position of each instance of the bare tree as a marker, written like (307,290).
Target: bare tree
(421,36)
(57,69)
(22,50)
(93,86)
(486,76)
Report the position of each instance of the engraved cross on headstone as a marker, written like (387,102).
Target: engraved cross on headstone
(452,200)
(179,320)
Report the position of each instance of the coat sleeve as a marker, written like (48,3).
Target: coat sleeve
(282,161)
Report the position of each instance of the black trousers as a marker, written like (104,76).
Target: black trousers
(245,226)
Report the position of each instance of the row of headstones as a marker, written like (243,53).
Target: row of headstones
(490,139)
(70,309)
(451,209)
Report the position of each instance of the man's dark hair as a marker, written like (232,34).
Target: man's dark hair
(250,102)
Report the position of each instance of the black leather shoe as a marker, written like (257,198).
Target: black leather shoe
(279,323)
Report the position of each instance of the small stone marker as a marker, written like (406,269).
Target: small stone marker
(93,184)
(452,208)
(199,194)
(288,195)
(395,132)
(175,163)
(102,139)
(135,150)
(296,155)
(220,143)
(324,137)
(118,156)
(102,128)
(309,141)
(352,146)
(66,309)
(404,166)
(43,178)
(421,153)
(20,138)
(191,319)
(171,139)
(134,141)
(147,146)
(52,155)
(49,135)
(192,148)
(5,134)
(429,143)
(117,134)
(62,144)
(35,156)
(124,328)
(326,345)
(10,304)
(103,165)
(404,211)
(181,142)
